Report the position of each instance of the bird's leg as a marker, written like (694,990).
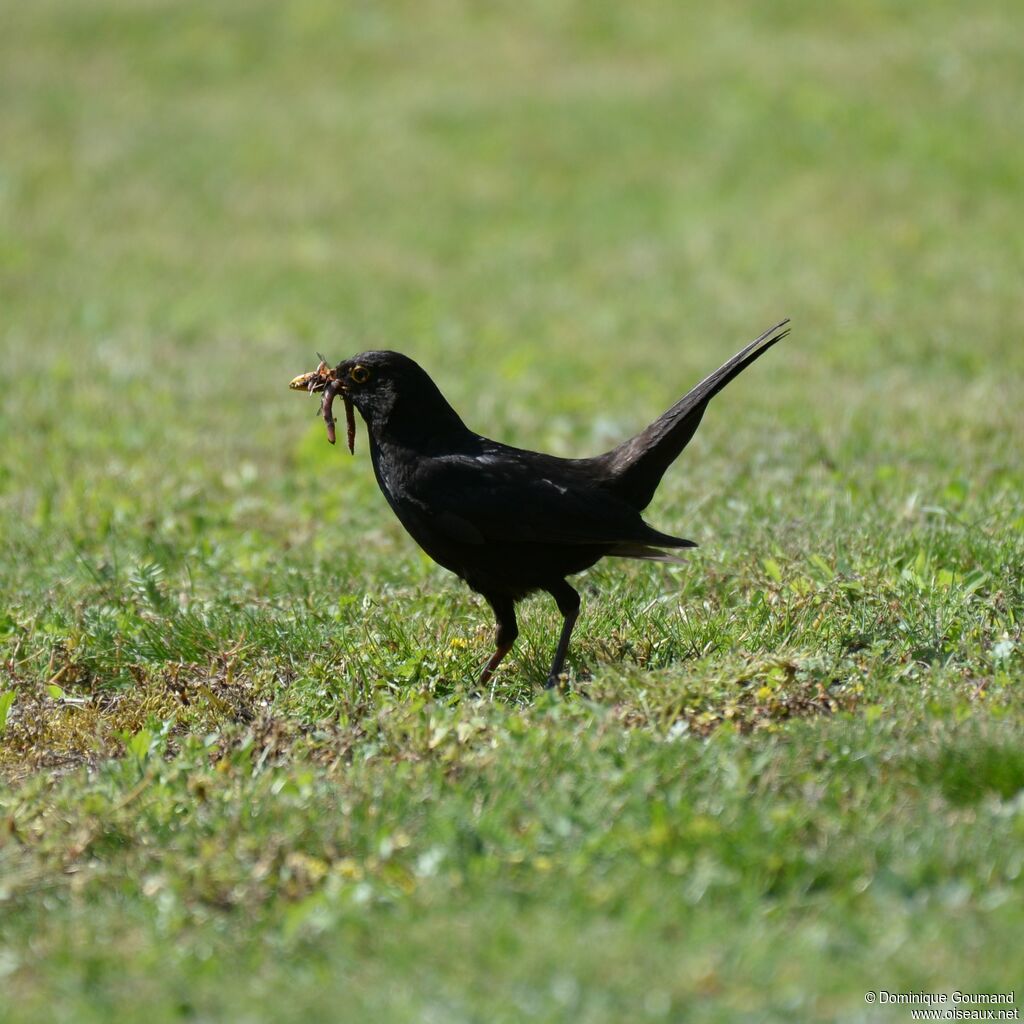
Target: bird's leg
(504,636)
(568,602)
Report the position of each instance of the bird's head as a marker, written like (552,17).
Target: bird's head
(390,390)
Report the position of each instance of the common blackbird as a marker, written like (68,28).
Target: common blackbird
(506,520)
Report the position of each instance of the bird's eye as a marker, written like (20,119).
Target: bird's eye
(359,374)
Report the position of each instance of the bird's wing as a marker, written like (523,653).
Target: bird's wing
(515,497)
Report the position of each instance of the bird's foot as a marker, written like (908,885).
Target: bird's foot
(559,679)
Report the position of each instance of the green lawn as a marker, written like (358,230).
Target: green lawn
(245,774)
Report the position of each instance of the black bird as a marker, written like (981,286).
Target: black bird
(510,521)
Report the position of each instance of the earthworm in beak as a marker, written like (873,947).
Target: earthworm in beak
(323,379)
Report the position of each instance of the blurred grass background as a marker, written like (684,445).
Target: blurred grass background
(568,213)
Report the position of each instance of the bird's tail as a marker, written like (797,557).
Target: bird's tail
(636,467)
(651,554)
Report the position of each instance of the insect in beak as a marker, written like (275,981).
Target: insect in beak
(323,380)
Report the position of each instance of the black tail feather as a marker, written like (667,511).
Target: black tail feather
(646,553)
(637,466)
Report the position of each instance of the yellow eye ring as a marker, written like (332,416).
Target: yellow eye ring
(359,374)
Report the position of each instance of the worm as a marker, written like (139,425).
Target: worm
(326,408)
(350,423)
(326,403)
(322,378)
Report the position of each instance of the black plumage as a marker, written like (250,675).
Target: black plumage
(506,520)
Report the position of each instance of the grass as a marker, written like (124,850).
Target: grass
(245,772)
